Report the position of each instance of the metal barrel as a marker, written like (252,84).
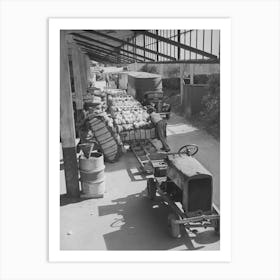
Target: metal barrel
(92,175)
(141,82)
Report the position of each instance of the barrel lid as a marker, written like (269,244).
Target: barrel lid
(143,75)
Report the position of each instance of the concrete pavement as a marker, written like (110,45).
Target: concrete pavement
(125,219)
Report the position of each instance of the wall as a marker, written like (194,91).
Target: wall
(192,97)
(173,70)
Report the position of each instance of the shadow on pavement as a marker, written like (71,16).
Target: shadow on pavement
(65,199)
(142,225)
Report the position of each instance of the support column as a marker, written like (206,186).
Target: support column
(88,69)
(82,73)
(77,78)
(85,70)
(67,127)
(182,82)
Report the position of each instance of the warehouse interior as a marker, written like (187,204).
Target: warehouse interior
(104,73)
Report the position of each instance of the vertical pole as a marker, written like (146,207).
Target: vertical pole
(179,41)
(170,51)
(134,48)
(196,43)
(219,42)
(182,81)
(163,43)
(67,127)
(157,44)
(190,54)
(77,78)
(88,68)
(82,73)
(203,35)
(85,70)
(144,45)
(211,40)
(185,42)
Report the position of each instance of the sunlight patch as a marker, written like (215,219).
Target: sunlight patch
(180,129)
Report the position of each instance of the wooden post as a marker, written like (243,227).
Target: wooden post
(77,78)
(182,82)
(67,127)
(88,68)
(82,73)
(85,70)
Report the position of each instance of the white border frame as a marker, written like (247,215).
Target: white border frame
(57,255)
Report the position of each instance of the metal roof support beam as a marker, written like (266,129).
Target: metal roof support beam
(101,56)
(101,59)
(108,58)
(179,41)
(127,43)
(105,51)
(157,45)
(98,59)
(144,45)
(97,54)
(190,61)
(174,43)
(108,45)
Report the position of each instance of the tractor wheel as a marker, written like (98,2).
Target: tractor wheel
(217,226)
(174,229)
(151,188)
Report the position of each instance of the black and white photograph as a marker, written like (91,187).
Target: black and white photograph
(140,139)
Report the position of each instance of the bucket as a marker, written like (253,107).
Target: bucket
(92,175)
(93,190)
(95,162)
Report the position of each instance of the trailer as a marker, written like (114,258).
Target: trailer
(155,99)
(183,183)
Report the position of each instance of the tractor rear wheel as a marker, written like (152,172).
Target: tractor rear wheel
(151,188)
(173,228)
(217,226)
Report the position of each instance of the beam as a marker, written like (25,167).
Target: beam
(187,61)
(102,57)
(101,54)
(97,48)
(67,126)
(97,51)
(179,41)
(98,59)
(144,45)
(157,45)
(106,51)
(182,82)
(108,45)
(127,43)
(174,43)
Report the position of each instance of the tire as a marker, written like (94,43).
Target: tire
(151,188)
(217,226)
(174,229)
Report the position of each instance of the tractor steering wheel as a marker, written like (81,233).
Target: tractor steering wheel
(190,150)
